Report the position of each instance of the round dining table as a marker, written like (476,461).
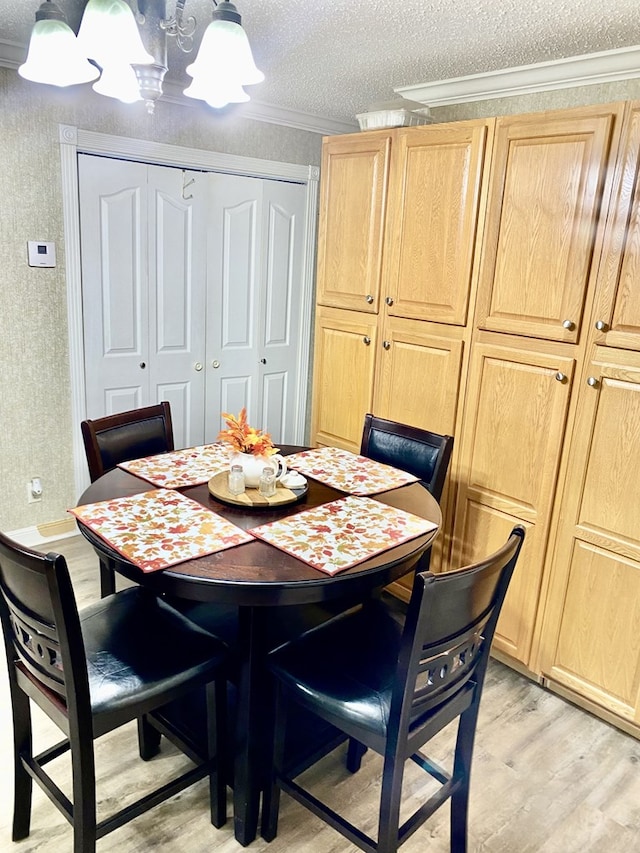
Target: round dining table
(259,579)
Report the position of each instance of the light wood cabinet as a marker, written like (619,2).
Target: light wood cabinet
(419,376)
(344,359)
(350,232)
(426,186)
(591,632)
(434,204)
(513,436)
(547,179)
(617,311)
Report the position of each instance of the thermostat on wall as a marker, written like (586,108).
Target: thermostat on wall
(41,254)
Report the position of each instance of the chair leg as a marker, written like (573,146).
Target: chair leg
(22,745)
(462,769)
(84,792)
(107,580)
(216,693)
(390,797)
(271,794)
(148,738)
(355,754)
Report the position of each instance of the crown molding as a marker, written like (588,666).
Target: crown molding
(12,55)
(586,70)
(260,111)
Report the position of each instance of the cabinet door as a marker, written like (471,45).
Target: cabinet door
(514,425)
(418,379)
(433,209)
(352,210)
(591,636)
(345,346)
(617,310)
(544,200)
(418,383)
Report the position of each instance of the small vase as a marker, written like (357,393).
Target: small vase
(253,466)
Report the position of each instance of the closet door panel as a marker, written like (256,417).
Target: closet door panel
(177,268)
(113,222)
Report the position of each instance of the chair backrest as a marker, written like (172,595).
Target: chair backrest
(41,626)
(448,632)
(126,435)
(422,453)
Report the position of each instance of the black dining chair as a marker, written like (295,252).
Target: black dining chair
(113,439)
(422,453)
(392,684)
(93,670)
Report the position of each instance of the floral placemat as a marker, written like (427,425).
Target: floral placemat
(348,472)
(161,528)
(181,468)
(335,536)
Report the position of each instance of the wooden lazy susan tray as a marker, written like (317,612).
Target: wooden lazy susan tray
(252,497)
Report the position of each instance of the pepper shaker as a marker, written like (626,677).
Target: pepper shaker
(267,487)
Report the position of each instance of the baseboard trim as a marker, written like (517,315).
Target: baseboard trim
(34,537)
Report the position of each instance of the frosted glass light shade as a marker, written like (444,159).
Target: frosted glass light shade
(54,57)
(225,52)
(119,81)
(109,34)
(217,93)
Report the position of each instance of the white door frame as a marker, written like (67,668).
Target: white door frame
(74,140)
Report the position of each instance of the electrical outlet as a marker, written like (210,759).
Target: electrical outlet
(34,490)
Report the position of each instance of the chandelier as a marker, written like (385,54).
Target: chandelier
(124,50)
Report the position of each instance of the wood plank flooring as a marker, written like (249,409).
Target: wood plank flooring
(547,778)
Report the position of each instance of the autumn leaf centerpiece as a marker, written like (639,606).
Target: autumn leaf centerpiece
(252,448)
(244,438)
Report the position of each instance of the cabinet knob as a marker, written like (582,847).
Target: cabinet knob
(592,382)
(386,344)
(569,325)
(369,298)
(561,377)
(601,326)
(389,300)
(367,340)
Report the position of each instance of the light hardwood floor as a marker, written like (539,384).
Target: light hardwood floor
(547,777)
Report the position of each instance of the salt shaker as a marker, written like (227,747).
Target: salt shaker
(236,480)
(267,487)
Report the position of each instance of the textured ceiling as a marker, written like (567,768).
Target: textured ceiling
(333,59)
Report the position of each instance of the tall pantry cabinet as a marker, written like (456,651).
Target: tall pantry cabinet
(398,236)
(549,175)
(482,279)
(590,640)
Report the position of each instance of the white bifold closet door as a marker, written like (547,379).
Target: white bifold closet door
(190,294)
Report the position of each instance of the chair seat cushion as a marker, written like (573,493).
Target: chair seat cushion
(344,670)
(139,647)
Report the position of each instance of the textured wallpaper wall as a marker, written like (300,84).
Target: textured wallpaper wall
(35,404)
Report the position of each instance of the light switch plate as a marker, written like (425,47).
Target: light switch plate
(41,254)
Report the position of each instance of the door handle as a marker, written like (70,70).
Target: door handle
(197,366)
(215,363)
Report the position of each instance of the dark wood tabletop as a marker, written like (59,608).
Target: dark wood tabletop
(257,573)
